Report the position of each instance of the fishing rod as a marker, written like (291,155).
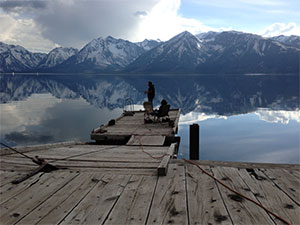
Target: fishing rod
(16,151)
(35,159)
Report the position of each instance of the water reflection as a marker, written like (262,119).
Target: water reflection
(43,118)
(242,118)
(209,94)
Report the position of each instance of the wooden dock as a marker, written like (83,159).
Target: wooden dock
(133,124)
(119,184)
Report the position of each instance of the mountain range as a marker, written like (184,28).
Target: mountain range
(227,52)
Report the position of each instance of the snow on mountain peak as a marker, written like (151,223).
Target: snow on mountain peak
(109,52)
(184,34)
(16,58)
(148,44)
(57,56)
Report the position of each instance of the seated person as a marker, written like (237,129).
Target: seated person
(158,112)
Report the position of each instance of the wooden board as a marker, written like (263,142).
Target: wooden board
(240,210)
(146,140)
(18,207)
(169,201)
(61,203)
(162,169)
(134,125)
(17,167)
(271,196)
(116,171)
(284,180)
(115,153)
(134,203)
(128,165)
(7,177)
(24,149)
(96,206)
(204,201)
(10,190)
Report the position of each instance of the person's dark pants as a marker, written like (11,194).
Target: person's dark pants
(150,99)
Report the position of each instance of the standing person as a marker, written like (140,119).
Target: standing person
(150,92)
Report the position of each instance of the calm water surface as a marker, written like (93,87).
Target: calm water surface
(241,118)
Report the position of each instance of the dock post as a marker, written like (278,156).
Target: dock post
(194,142)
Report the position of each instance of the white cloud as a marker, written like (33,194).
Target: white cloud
(76,22)
(73,22)
(277,29)
(164,21)
(24,32)
(43,25)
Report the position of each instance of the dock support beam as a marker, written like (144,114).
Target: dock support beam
(194,142)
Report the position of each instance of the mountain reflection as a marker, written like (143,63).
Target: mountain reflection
(217,95)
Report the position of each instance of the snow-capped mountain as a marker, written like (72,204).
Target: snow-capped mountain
(225,52)
(207,35)
(14,58)
(181,53)
(148,44)
(292,40)
(103,55)
(212,52)
(237,52)
(56,57)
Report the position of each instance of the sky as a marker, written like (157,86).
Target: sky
(41,25)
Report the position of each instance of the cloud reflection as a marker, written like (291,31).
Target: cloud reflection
(25,137)
(194,117)
(42,118)
(279,116)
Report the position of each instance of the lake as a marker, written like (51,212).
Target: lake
(246,118)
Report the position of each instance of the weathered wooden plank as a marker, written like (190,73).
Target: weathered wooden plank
(96,206)
(116,171)
(142,161)
(241,211)
(81,164)
(271,197)
(134,203)
(169,201)
(121,158)
(7,177)
(110,169)
(25,149)
(10,190)
(62,202)
(145,128)
(16,208)
(15,160)
(71,151)
(162,169)
(112,154)
(12,167)
(286,181)
(92,150)
(140,131)
(296,172)
(146,140)
(204,201)
(141,125)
